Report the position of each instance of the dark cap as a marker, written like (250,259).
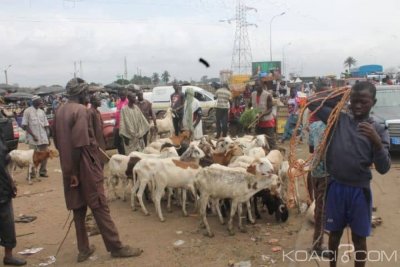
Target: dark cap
(76,86)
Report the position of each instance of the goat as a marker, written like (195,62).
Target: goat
(237,184)
(162,173)
(28,158)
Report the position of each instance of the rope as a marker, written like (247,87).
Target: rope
(296,166)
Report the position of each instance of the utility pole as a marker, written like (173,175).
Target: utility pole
(74,69)
(270,34)
(80,69)
(5,73)
(126,69)
(241,55)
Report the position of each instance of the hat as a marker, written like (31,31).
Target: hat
(35,97)
(76,86)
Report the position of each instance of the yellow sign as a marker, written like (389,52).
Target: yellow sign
(239,78)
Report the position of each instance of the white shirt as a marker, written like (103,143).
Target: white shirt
(36,120)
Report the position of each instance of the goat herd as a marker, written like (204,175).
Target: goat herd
(218,174)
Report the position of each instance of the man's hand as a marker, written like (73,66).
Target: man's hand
(35,138)
(14,188)
(369,131)
(74,181)
(155,128)
(126,141)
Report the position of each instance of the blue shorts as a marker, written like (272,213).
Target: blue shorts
(348,206)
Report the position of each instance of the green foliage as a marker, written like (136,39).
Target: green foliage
(122,81)
(155,78)
(165,76)
(141,80)
(248,116)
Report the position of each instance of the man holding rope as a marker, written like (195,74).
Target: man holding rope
(356,142)
(83,173)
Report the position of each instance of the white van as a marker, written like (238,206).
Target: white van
(161,99)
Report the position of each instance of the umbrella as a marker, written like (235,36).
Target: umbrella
(46,90)
(95,88)
(8,87)
(18,96)
(114,86)
(3,92)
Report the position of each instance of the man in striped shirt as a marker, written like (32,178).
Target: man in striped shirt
(223,96)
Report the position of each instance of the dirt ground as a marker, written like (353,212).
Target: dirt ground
(46,201)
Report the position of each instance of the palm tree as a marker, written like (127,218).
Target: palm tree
(155,78)
(165,76)
(350,61)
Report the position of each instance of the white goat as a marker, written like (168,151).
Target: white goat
(163,173)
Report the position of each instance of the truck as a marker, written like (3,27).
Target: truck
(9,131)
(161,99)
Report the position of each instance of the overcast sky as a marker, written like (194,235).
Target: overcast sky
(41,39)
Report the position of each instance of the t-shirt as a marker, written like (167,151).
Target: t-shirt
(120,105)
(223,96)
(177,100)
(317,129)
(36,120)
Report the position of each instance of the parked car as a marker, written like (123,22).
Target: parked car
(387,112)
(9,130)
(108,117)
(161,100)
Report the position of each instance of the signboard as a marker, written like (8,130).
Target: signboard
(265,67)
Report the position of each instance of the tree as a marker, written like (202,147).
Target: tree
(350,61)
(122,81)
(165,76)
(155,78)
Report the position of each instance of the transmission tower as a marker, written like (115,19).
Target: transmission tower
(241,56)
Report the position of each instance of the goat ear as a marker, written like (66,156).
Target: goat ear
(255,186)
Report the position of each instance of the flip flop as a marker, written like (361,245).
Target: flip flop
(14,261)
(127,251)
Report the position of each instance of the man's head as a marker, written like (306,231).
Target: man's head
(362,99)
(95,101)
(77,89)
(123,94)
(37,101)
(140,95)
(322,85)
(176,87)
(131,98)
(258,86)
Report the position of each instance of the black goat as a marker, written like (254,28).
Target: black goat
(273,203)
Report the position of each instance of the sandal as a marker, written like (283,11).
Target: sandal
(14,261)
(82,256)
(127,251)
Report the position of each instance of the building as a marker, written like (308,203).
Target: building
(363,71)
(225,76)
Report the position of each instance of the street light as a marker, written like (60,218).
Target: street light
(284,58)
(270,34)
(5,72)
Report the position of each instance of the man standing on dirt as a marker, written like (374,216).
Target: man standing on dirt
(82,173)
(34,122)
(121,102)
(177,104)
(8,191)
(262,100)
(147,110)
(223,96)
(133,126)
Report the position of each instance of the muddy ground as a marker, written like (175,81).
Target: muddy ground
(45,200)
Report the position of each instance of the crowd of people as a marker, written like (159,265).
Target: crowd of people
(340,186)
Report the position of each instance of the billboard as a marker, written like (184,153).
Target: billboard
(262,68)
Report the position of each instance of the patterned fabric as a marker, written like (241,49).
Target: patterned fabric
(133,126)
(316,133)
(223,96)
(36,120)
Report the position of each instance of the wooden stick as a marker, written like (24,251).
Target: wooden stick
(31,233)
(35,193)
(104,153)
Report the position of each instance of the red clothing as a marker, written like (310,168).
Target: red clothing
(120,104)
(313,118)
(265,124)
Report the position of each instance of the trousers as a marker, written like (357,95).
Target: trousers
(221,115)
(106,226)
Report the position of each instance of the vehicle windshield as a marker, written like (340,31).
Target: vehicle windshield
(387,98)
